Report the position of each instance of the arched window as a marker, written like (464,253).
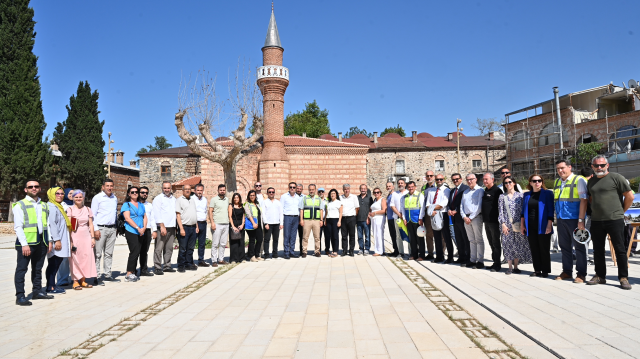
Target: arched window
(165,170)
(552,137)
(625,145)
(587,138)
(521,140)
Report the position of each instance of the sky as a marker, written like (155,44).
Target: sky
(371,64)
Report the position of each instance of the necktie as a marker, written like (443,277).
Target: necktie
(436,197)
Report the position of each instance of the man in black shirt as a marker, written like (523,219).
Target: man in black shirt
(490,219)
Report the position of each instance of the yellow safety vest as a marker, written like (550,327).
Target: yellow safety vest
(412,207)
(30,225)
(567,201)
(312,208)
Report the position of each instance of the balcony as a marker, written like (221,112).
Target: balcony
(273,71)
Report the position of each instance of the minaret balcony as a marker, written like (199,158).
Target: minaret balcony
(280,72)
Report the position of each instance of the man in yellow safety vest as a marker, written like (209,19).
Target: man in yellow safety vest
(311,216)
(30,223)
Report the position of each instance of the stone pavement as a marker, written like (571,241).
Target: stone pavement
(322,307)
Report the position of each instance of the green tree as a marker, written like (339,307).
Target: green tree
(399,130)
(312,121)
(22,151)
(357,131)
(160,143)
(585,152)
(80,140)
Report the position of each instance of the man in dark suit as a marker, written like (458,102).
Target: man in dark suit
(455,197)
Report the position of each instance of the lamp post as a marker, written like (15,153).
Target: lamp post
(109,156)
(458,140)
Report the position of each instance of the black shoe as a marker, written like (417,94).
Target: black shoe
(517,271)
(470,265)
(41,296)
(438,260)
(145,273)
(429,257)
(344,253)
(458,261)
(181,270)
(170,270)
(294,256)
(449,261)
(544,275)
(97,282)
(534,274)
(394,254)
(22,301)
(111,279)
(203,264)
(287,258)
(158,272)
(192,267)
(351,253)
(479,265)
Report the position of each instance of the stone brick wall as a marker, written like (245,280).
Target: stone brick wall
(382,165)
(150,172)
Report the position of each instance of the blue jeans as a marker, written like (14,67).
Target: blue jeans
(202,239)
(186,246)
(290,230)
(64,273)
(363,226)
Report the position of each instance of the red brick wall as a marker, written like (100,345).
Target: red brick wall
(272,56)
(121,179)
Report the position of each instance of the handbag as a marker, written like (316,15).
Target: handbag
(517,227)
(232,233)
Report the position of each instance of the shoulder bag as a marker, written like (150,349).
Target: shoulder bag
(232,234)
(516,226)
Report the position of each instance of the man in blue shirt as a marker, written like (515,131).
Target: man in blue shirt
(291,205)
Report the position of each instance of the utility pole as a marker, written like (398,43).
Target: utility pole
(458,141)
(109,156)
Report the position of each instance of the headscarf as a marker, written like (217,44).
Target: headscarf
(51,193)
(66,196)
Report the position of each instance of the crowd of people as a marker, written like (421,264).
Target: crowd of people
(79,241)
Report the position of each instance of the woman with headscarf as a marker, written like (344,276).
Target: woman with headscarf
(58,228)
(64,272)
(83,261)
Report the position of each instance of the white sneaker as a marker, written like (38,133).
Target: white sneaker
(267,259)
(366,252)
(131,278)
(359,252)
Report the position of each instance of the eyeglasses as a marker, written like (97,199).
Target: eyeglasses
(439,179)
(377,192)
(320,191)
(32,187)
(258,185)
(144,192)
(536,181)
(456,179)
(471,179)
(508,182)
(505,173)
(60,194)
(133,192)
(290,187)
(598,165)
(430,175)
(271,192)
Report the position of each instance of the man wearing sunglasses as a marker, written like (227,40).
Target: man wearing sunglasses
(435,204)
(607,217)
(430,182)
(104,207)
(291,206)
(272,217)
(570,196)
(504,174)
(150,233)
(260,197)
(471,212)
(455,198)
(30,223)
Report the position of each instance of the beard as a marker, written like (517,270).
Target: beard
(601,172)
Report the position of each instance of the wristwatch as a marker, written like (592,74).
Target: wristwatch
(580,220)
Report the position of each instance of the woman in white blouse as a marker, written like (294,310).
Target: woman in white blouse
(377,217)
(333,219)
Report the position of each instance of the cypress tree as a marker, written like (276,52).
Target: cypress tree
(22,151)
(80,140)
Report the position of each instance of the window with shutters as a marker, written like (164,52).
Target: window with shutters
(165,170)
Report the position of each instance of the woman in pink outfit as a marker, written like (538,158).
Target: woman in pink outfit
(83,262)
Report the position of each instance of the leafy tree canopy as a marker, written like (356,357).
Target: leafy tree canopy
(313,121)
(357,131)
(399,130)
(160,143)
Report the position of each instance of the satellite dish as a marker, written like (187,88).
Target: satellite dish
(633,83)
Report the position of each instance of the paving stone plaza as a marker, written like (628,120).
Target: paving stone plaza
(345,307)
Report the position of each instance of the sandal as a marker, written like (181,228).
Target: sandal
(84,284)
(76,285)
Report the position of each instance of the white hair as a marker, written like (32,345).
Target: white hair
(600,157)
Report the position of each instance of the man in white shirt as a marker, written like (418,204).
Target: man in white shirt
(273,219)
(323,228)
(150,233)
(201,217)
(186,219)
(299,188)
(104,207)
(350,208)
(471,212)
(291,205)
(260,197)
(435,204)
(399,194)
(30,218)
(392,215)
(164,211)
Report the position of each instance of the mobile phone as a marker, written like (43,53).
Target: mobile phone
(74,248)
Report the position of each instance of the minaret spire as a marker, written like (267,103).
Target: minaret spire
(273,38)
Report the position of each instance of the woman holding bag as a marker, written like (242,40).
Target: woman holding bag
(83,261)
(253,226)
(514,244)
(236,229)
(58,228)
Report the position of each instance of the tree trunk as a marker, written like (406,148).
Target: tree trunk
(229,170)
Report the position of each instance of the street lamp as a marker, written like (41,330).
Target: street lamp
(458,140)
(109,156)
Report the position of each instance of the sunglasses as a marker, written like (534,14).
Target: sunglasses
(505,173)
(508,182)
(456,179)
(536,181)
(258,185)
(377,192)
(599,165)
(320,191)
(271,192)
(133,192)
(439,179)
(32,187)
(144,192)
(430,175)
(291,187)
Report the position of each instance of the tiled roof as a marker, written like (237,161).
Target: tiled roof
(191,181)
(298,141)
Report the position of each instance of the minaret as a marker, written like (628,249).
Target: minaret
(273,79)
